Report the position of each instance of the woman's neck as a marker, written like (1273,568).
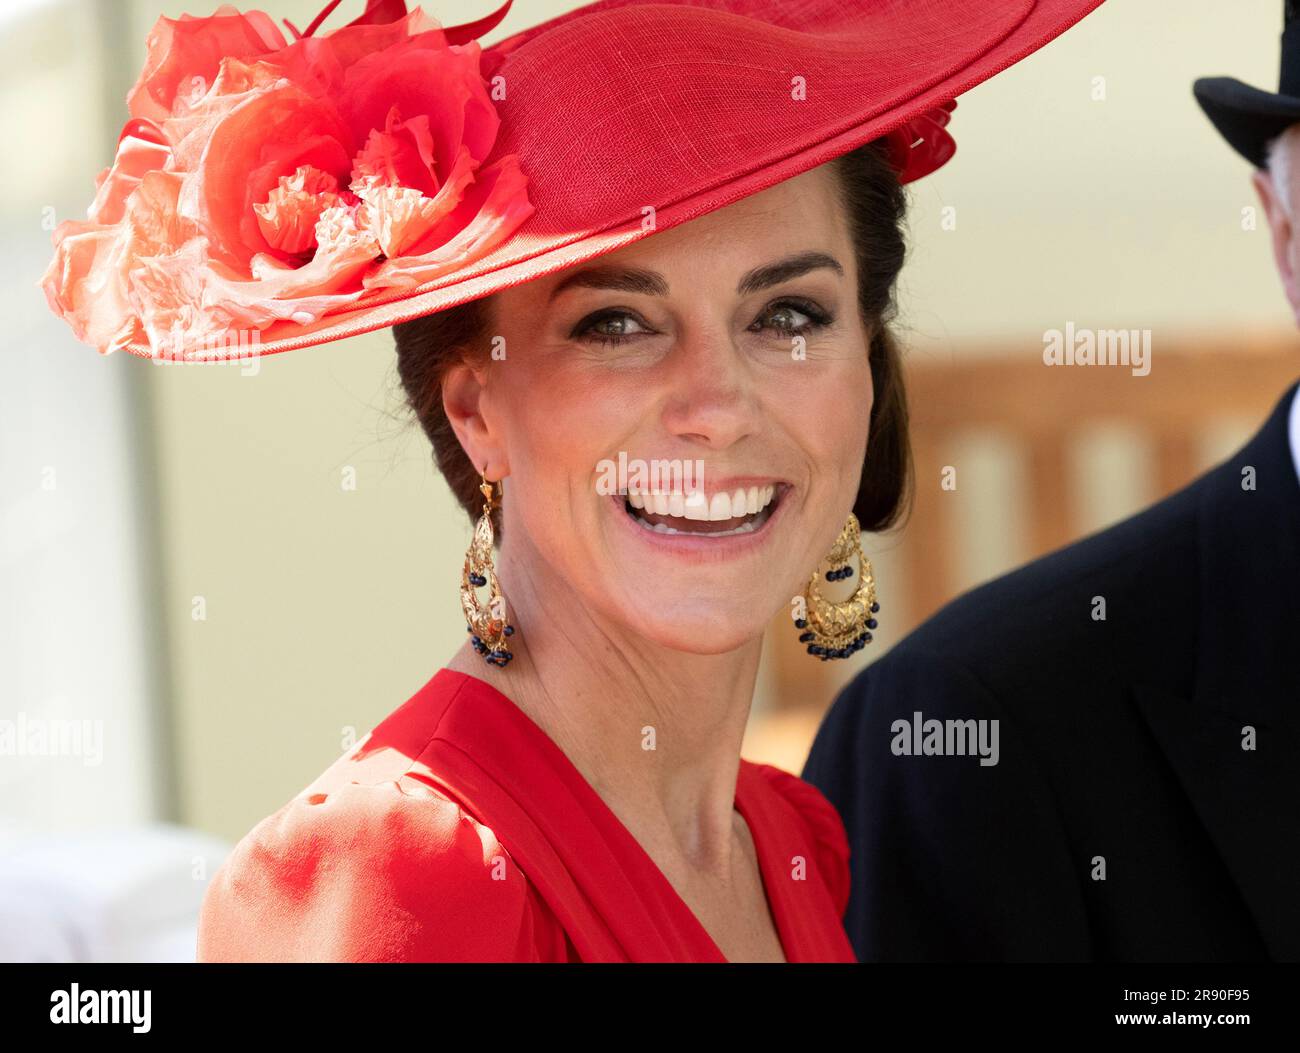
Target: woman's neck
(655,731)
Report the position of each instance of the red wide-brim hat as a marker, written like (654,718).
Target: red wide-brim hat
(273,192)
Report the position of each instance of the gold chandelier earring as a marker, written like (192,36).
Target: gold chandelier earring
(487,623)
(840,629)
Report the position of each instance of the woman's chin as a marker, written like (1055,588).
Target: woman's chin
(702,630)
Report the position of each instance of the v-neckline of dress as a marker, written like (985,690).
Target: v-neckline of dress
(539,743)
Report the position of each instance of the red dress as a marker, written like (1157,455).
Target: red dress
(457,830)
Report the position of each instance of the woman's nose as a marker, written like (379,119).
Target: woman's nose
(711,396)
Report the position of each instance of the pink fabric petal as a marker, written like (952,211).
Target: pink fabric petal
(401,154)
(329,282)
(319,63)
(152,220)
(287,219)
(445,85)
(236,82)
(83,284)
(134,158)
(402,219)
(185,53)
(168,292)
(491,211)
(193,309)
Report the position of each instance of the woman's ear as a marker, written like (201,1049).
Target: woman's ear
(464,400)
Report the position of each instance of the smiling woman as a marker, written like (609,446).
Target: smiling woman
(706,275)
(753,342)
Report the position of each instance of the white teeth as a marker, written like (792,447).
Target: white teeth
(695,505)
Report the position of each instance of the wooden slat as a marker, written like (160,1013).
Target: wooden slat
(1176,461)
(1048,479)
(1190,381)
(928,543)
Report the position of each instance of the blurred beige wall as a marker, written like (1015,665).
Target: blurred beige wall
(76,583)
(326,607)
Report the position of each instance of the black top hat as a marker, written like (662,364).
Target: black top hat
(1249,118)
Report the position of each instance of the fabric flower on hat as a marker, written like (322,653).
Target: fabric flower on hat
(921,145)
(261,181)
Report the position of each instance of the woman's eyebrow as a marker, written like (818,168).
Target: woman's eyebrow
(622,279)
(652,283)
(784,269)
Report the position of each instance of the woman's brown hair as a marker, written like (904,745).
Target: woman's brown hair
(876,206)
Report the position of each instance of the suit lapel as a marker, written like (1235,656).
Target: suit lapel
(1247,677)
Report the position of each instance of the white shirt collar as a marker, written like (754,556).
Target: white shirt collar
(1294,431)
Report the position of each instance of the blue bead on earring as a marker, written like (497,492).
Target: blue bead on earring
(840,630)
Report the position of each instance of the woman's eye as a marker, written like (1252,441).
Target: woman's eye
(609,328)
(793,317)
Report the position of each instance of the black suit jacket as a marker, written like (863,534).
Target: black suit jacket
(1120,746)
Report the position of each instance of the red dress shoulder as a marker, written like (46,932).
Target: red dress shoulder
(389,871)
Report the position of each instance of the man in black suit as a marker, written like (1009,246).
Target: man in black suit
(1097,757)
